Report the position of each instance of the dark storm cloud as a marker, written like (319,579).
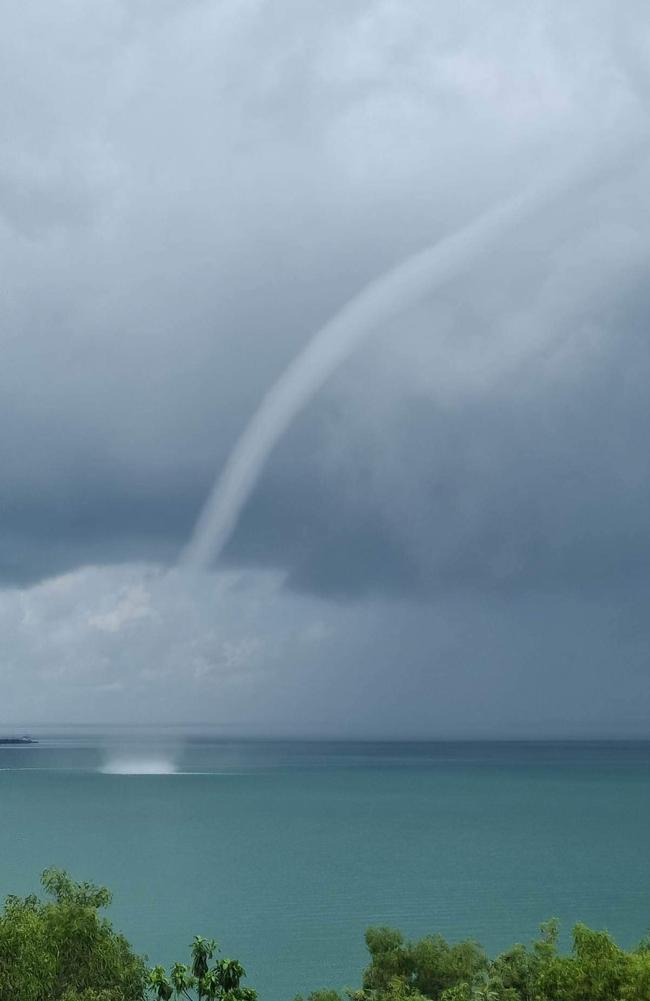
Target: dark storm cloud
(187,192)
(519,460)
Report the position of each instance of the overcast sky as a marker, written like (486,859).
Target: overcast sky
(453,538)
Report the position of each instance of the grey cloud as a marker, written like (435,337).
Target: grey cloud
(237,652)
(188,191)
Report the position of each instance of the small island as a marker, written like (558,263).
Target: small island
(17,740)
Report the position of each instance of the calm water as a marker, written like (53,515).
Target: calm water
(287,852)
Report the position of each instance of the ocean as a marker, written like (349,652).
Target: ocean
(285,852)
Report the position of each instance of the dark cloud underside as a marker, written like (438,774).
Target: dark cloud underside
(187,192)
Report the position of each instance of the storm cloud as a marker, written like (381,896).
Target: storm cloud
(187,192)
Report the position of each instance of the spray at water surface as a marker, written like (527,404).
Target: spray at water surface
(380,301)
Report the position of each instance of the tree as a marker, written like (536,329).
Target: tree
(437,965)
(62,950)
(426,968)
(220,982)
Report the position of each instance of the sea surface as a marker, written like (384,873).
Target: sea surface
(287,852)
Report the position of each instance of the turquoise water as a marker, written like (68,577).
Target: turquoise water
(287,852)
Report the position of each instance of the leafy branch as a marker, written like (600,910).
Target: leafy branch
(219,982)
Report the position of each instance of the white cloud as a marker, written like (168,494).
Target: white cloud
(182,644)
(132,603)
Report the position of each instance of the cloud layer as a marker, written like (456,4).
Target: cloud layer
(187,191)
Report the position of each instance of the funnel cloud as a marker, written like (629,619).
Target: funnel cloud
(378,303)
(435,521)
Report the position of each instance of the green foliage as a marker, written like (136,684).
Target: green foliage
(436,965)
(461,992)
(63,950)
(220,982)
(434,970)
(327,995)
(58,884)
(426,968)
(388,959)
